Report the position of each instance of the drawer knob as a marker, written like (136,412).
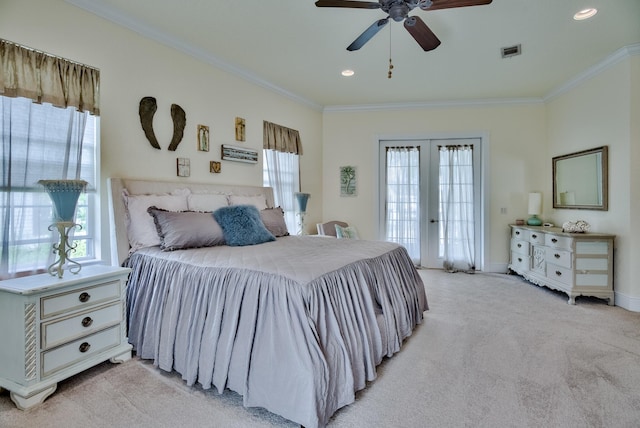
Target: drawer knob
(519,245)
(556,255)
(84,297)
(520,259)
(517,232)
(87,321)
(534,236)
(558,273)
(84,347)
(554,240)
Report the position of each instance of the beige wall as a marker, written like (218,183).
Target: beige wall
(515,162)
(595,113)
(521,138)
(132,67)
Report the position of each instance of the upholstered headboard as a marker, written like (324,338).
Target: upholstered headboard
(117,209)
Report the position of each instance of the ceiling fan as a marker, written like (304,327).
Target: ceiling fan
(398,10)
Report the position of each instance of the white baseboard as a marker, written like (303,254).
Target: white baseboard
(627,302)
(496,268)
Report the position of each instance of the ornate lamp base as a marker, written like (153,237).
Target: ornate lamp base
(63,248)
(302,230)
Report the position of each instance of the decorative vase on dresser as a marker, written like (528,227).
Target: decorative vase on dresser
(53,328)
(579,264)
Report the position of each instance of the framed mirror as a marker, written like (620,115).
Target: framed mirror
(580,180)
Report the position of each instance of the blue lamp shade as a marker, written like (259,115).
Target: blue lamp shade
(64,194)
(302,199)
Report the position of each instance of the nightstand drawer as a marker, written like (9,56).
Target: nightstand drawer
(85,323)
(81,349)
(80,298)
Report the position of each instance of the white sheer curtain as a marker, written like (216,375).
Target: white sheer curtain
(457,208)
(281,171)
(402,206)
(38,141)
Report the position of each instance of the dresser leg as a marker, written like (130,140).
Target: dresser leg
(25,403)
(572,300)
(125,356)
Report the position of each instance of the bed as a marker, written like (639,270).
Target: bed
(296,324)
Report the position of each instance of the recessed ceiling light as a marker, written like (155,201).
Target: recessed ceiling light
(585,14)
(348,73)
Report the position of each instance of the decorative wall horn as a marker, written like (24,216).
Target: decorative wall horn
(147,110)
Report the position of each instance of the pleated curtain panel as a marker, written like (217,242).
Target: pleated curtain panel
(46,78)
(281,139)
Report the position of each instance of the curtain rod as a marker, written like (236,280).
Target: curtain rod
(48,54)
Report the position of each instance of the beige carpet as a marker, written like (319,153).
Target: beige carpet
(494,351)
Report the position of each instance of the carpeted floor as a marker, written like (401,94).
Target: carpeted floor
(494,351)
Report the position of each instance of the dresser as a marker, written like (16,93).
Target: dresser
(579,264)
(52,328)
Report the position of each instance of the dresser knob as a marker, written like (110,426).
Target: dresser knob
(517,232)
(520,259)
(87,321)
(554,240)
(84,297)
(84,347)
(558,273)
(534,236)
(519,245)
(556,255)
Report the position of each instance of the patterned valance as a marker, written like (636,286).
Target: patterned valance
(281,138)
(42,77)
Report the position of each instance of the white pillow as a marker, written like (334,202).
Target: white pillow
(141,229)
(206,201)
(257,201)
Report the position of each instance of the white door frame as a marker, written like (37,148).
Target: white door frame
(485,196)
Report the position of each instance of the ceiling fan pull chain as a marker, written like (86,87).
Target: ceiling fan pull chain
(389,75)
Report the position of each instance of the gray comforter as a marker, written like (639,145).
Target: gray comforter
(296,326)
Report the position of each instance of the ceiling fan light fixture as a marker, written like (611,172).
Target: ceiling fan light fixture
(585,14)
(348,73)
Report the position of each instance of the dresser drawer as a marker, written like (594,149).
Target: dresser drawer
(592,248)
(556,241)
(520,262)
(80,298)
(536,237)
(518,233)
(66,355)
(559,273)
(558,257)
(520,247)
(63,330)
(584,264)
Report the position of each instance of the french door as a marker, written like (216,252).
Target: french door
(417,208)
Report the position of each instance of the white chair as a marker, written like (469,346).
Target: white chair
(329,228)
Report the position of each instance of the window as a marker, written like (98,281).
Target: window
(40,141)
(281,171)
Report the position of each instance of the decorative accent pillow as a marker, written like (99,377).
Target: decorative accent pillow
(186,229)
(140,227)
(348,232)
(242,225)
(207,201)
(273,219)
(258,201)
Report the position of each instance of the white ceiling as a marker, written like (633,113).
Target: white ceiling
(299,49)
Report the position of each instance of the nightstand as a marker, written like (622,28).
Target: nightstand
(52,328)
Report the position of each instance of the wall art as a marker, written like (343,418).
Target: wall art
(147,110)
(239,154)
(203,138)
(240,129)
(348,181)
(184,167)
(215,167)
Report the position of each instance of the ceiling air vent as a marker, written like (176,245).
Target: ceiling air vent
(511,51)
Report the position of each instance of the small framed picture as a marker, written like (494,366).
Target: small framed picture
(240,125)
(348,181)
(203,138)
(215,167)
(184,167)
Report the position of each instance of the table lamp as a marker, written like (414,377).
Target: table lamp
(535,209)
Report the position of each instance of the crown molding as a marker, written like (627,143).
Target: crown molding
(432,104)
(613,59)
(175,43)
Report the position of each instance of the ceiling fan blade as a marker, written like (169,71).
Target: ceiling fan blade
(368,34)
(448,4)
(423,35)
(348,3)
